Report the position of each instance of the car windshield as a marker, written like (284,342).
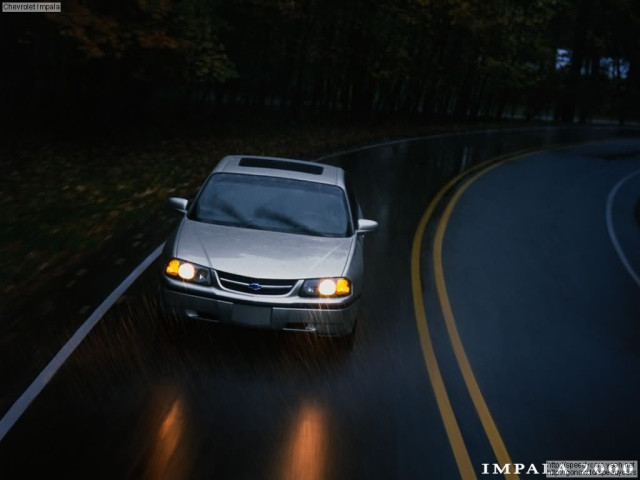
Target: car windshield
(273,203)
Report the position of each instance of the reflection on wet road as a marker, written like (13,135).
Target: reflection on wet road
(305,451)
(147,398)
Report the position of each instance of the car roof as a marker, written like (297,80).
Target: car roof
(281,167)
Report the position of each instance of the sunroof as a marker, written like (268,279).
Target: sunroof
(281,165)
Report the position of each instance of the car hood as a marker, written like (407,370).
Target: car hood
(260,253)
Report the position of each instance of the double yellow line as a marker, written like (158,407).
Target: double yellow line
(467,471)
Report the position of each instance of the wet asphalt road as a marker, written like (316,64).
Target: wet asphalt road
(547,313)
(546,309)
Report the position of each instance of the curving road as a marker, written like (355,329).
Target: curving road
(535,258)
(533,276)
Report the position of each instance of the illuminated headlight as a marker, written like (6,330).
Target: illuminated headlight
(188,272)
(326,287)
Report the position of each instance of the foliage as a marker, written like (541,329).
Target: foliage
(361,58)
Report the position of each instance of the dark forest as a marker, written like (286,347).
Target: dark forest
(432,60)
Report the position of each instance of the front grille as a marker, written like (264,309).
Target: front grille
(255,286)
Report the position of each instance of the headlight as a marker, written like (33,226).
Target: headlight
(188,272)
(326,287)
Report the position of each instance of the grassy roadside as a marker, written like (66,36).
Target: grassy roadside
(63,199)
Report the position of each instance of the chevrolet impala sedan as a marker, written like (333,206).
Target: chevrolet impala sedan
(269,243)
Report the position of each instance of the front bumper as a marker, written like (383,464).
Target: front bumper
(332,319)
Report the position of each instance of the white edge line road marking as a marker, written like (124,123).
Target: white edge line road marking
(612,233)
(20,405)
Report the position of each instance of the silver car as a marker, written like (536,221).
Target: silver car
(270,243)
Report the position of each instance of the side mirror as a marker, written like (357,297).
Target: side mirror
(178,204)
(366,226)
